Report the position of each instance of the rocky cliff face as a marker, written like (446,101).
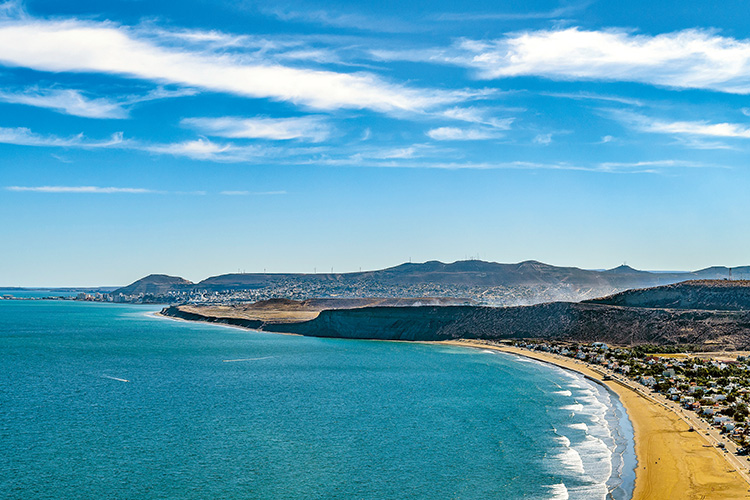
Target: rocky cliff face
(563,321)
(723,320)
(711,295)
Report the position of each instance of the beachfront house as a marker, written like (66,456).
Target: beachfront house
(720,419)
(707,411)
(648,381)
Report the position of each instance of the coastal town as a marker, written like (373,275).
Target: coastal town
(497,296)
(710,391)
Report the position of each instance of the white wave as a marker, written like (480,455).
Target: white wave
(563,439)
(575,407)
(596,458)
(581,426)
(115,378)
(564,393)
(571,461)
(558,491)
(588,492)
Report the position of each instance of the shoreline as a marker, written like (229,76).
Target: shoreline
(158,314)
(672,462)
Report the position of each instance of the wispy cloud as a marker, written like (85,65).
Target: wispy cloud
(651,166)
(461,134)
(682,127)
(642,167)
(561,11)
(698,59)
(198,149)
(344,20)
(481,116)
(74,102)
(78,46)
(543,139)
(309,128)
(24,137)
(80,189)
(595,97)
(68,101)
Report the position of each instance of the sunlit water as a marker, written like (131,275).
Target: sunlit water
(107,401)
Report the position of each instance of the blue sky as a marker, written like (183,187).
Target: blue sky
(201,137)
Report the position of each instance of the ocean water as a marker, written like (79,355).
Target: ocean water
(107,401)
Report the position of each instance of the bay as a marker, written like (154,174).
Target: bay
(108,401)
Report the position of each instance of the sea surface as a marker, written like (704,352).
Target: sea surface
(108,401)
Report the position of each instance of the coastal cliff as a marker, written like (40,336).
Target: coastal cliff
(583,322)
(711,295)
(562,321)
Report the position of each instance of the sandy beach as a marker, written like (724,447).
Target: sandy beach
(673,463)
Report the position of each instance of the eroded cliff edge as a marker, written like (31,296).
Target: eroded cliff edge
(583,322)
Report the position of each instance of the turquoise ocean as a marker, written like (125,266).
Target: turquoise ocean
(109,401)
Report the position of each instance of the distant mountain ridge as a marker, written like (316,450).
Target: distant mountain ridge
(548,282)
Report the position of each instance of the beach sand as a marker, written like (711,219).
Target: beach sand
(673,463)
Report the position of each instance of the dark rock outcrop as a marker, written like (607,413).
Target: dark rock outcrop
(561,321)
(711,295)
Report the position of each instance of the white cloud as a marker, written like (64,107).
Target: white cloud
(79,189)
(68,101)
(699,128)
(310,128)
(199,149)
(543,139)
(74,102)
(24,137)
(344,20)
(642,167)
(77,46)
(684,59)
(460,134)
(473,114)
(595,97)
(683,127)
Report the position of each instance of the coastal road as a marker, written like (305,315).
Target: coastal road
(709,434)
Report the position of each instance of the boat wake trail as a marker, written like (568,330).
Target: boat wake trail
(246,359)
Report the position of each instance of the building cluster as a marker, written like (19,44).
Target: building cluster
(717,391)
(296,289)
